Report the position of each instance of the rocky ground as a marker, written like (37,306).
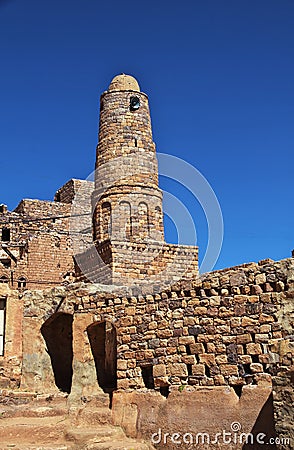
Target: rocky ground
(49,422)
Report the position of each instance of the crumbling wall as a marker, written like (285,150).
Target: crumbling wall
(39,251)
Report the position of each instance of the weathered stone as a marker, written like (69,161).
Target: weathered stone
(159,370)
(197,348)
(253,349)
(229,369)
(178,369)
(198,369)
(256,368)
(207,358)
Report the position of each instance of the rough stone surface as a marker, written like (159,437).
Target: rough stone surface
(168,346)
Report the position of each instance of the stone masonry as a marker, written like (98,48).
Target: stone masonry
(127,202)
(36,246)
(94,302)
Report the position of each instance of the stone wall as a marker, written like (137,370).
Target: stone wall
(39,251)
(153,265)
(225,337)
(11,361)
(204,333)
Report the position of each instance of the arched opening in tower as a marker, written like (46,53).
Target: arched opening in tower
(102,338)
(106,221)
(57,333)
(143,220)
(125,220)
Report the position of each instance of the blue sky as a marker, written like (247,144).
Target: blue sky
(219,76)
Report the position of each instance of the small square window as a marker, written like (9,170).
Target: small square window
(5,235)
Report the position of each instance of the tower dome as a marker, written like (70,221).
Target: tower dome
(124,82)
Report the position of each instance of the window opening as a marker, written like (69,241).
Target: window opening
(22,283)
(5,235)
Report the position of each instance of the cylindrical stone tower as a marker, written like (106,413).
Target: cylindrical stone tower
(127,202)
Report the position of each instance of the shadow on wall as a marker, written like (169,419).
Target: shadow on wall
(264,425)
(102,337)
(57,332)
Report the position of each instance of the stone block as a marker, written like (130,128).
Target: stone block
(256,368)
(198,370)
(159,370)
(178,370)
(197,348)
(238,278)
(219,380)
(265,328)
(245,359)
(229,370)
(261,337)
(244,339)
(210,348)
(221,359)
(152,326)
(248,321)
(164,334)
(207,358)
(264,318)
(200,310)
(144,354)
(122,364)
(253,349)
(161,381)
(189,359)
(185,340)
(260,278)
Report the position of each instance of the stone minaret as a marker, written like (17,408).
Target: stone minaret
(127,203)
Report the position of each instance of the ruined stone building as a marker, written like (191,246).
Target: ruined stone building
(94,302)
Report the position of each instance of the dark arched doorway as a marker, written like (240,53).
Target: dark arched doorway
(102,337)
(57,332)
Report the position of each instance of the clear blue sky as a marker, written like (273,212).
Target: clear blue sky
(219,75)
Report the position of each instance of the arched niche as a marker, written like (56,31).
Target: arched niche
(143,220)
(106,220)
(102,338)
(125,220)
(57,333)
